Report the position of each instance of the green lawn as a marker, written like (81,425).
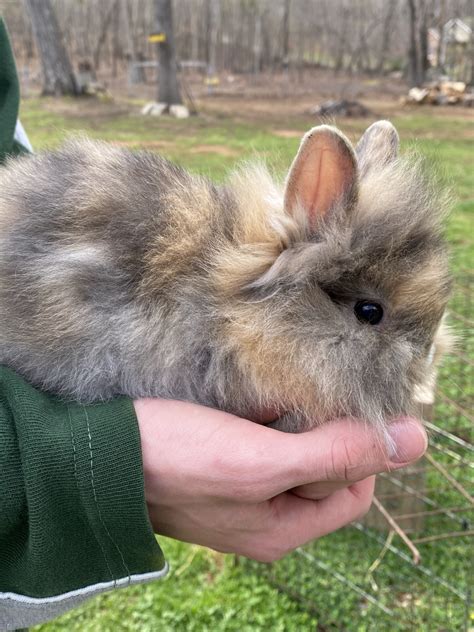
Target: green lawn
(206,590)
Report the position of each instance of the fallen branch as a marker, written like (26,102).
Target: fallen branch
(456,484)
(445,536)
(397,528)
(376,563)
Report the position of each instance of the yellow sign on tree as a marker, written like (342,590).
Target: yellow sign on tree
(157,38)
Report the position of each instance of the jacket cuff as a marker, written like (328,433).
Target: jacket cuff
(79,525)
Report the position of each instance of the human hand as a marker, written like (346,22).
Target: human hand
(215,479)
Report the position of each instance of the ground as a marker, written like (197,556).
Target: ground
(206,590)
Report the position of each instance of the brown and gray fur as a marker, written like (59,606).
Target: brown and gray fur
(121,273)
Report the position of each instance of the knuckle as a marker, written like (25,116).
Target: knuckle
(340,465)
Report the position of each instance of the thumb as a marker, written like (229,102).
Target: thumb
(346,451)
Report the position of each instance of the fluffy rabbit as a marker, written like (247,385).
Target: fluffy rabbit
(121,273)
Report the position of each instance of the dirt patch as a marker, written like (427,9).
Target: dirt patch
(146,144)
(214,149)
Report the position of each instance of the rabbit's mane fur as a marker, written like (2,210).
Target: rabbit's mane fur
(391,238)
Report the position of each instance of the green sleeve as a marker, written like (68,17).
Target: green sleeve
(9,98)
(73,519)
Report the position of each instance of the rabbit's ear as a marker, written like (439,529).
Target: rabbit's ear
(323,173)
(378,146)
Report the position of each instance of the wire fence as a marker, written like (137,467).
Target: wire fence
(414,571)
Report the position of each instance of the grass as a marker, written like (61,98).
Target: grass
(206,590)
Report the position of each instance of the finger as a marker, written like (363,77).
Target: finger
(297,521)
(347,451)
(226,456)
(320,490)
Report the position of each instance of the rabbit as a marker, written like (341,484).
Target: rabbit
(289,304)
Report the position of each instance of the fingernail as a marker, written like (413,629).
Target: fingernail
(409,440)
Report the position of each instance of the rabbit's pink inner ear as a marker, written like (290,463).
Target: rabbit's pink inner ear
(323,173)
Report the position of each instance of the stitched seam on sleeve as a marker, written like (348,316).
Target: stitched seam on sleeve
(99,513)
(74,453)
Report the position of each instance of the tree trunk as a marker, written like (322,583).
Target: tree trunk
(423,40)
(104,29)
(28,38)
(214,23)
(194,32)
(285,33)
(168,87)
(129,44)
(386,36)
(418,47)
(412,47)
(257,43)
(58,76)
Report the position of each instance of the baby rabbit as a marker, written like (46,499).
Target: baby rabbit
(121,273)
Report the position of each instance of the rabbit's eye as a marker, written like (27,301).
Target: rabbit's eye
(368,312)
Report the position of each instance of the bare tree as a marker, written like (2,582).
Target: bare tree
(214,16)
(242,36)
(257,42)
(168,87)
(129,43)
(58,76)
(386,35)
(425,16)
(194,32)
(106,18)
(418,45)
(285,32)
(413,70)
(345,20)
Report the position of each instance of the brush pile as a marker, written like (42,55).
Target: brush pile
(441,93)
(343,107)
